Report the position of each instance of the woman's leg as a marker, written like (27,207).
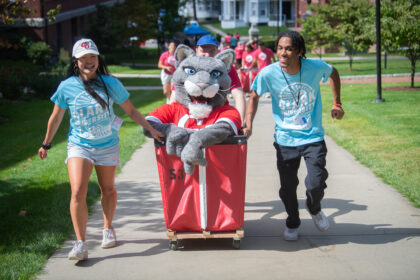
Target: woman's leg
(79,170)
(106,177)
(167,90)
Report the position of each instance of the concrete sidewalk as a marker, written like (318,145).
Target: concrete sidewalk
(375,232)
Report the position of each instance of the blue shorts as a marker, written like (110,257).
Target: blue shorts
(109,156)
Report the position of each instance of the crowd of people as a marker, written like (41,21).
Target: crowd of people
(294,84)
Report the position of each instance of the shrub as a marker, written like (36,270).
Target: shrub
(23,81)
(269,43)
(63,62)
(44,85)
(39,52)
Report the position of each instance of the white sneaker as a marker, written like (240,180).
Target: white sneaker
(291,234)
(79,251)
(109,239)
(320,220)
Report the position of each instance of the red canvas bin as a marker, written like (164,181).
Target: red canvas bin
(213,197)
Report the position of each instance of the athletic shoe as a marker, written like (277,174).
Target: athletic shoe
(109,239)
(79,251)
(320,220)
(291,234)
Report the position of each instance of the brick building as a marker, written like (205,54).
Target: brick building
(70,24)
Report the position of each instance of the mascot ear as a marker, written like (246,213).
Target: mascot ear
(181,53)
(227,56)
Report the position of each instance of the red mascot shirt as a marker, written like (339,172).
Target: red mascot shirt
(177,114)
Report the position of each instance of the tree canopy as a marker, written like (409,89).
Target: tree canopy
(400,29)
(347,23)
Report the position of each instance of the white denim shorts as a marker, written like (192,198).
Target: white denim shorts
(109,156)
(164,77)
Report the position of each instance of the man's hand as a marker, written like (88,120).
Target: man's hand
(247,131)
(337,112)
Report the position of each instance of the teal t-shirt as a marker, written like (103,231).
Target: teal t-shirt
(296,101)
(90,124)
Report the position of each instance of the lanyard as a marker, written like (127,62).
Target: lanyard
(300,85)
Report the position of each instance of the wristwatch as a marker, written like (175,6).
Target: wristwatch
(46,146)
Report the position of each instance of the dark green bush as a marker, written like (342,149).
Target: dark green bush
(44,85)
(39,52)
(22,81)
(269,43)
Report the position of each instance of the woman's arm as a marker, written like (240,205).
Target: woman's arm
(136,116)
(52,127)
(161,66)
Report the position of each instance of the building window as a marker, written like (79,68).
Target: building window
(253,9)
(287,10)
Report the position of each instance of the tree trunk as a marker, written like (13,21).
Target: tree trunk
(195,10)
(385,59)
(413,69)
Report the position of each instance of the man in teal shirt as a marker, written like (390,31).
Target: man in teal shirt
(297,111)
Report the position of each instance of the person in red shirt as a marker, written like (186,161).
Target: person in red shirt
(262,56)
(167,64)
(240,48)
(236,36)
(247,59)
(227,37)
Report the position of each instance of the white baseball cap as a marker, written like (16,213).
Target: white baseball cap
(84,46)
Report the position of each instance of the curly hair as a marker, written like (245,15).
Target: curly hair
(297,41)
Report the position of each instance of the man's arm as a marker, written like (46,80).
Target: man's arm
(251,110)
(337,111)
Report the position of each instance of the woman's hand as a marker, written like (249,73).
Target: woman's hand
(157,135)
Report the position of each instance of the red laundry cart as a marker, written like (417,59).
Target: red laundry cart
(210,202)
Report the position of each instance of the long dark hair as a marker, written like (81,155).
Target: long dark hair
(98,82)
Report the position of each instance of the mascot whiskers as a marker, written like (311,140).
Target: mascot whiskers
(201,115)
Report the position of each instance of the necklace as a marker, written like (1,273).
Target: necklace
(300,85)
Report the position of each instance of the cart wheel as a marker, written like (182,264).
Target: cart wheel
(236,243)
(173,245)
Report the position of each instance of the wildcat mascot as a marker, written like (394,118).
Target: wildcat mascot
(201,116)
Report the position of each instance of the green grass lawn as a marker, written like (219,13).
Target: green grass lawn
(123,69)
(368,67)
(41,188)
(385,137)
(360,67)
(264,30)
(141,81)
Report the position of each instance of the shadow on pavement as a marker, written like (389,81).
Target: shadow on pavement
(140,208)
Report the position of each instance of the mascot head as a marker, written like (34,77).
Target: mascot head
(201,83)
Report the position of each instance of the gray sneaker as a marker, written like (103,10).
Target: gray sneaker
(320,220)
(109,239)
(79,251)
(291,234)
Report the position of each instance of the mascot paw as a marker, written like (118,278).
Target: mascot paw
(189,168)
(191,156)
(176,139)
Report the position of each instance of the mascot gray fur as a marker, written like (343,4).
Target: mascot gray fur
(201,86)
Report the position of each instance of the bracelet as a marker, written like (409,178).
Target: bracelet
(338,104)
(46,146)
